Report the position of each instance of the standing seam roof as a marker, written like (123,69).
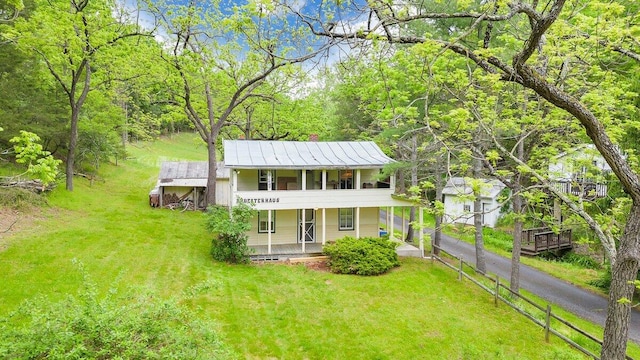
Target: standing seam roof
(298,154)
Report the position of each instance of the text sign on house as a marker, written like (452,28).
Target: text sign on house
(264,200)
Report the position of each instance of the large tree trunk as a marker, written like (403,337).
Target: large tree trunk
(414,183)
(210,194)
(518,209)
(73,143)
(437,232)
(624,272)
(514,284)
(481,265)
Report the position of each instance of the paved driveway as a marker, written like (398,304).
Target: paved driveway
(581,302)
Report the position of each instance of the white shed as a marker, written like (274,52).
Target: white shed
(458,204)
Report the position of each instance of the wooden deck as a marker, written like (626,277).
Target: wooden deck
(539,240)
(284,251)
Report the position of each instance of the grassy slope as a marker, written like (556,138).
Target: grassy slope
(419,310)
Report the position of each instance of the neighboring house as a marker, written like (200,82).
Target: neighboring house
(458,202)
(309,192)
(580,171)
(182,184)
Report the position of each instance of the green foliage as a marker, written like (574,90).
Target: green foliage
(230,229)
(604,282)
(571,257)
(87,326)
(364,256)
(40,164)
(497,239)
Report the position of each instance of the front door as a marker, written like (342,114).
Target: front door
(306,225)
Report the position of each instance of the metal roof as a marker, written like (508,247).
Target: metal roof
(188,173)
(254,154)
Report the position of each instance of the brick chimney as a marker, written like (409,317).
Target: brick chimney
(313,137)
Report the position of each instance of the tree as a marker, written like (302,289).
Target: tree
(216,77)
(68,36)
(40,164)
(548,34)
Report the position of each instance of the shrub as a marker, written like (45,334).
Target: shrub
(584,261)
(604,282)
(88,327)
(364,256)
(230,232)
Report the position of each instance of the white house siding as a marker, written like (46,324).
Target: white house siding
(369,224)
(454,211)
(286,231)
(248,179)
(286,227)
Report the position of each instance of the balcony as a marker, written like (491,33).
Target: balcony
(584,188)
(318,199)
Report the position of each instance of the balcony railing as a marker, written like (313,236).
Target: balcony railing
(317,199)
(583,188)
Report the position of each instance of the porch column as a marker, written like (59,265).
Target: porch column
(161,192)
(324,226)
(403,223)
(269,231)
(387,220)
(357,179)
(303,225)
(269,180)
(324,180)
(234,187)
(392,182)
(420,219)
(357,223)
(195,198)
(304,179)
(391,228)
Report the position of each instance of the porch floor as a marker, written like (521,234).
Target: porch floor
(295,250)
(288,249)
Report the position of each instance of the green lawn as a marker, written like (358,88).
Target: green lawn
(419,310)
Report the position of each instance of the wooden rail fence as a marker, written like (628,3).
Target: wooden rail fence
(497,286)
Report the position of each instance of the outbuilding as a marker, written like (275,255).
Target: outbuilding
(458,201)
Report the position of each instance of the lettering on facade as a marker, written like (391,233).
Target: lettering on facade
(259,200)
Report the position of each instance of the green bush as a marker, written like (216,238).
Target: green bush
(604,282)
(584,261)
(364,256)
(88,327)
(230,232)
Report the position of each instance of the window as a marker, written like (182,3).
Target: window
(467,208)
(345,220)
(346,179)
(264,181)
(263,221)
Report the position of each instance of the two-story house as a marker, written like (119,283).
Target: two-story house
(580,171)
(308,193)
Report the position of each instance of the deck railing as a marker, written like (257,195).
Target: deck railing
(537,240)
